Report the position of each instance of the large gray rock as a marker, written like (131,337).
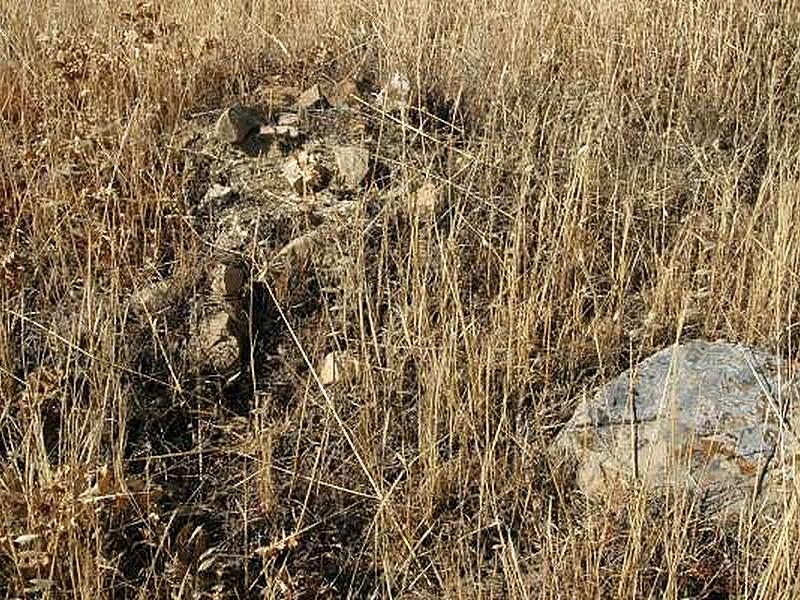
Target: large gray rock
(713,417)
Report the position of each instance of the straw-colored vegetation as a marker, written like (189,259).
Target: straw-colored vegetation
(626,175)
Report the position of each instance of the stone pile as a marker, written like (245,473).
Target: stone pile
(283,179)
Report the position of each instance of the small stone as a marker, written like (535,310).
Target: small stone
(217,195)
(294,174)
(281,131)
(305,173)
(396,94)
(217,278)
(336,367)
(353,164)
(296,252)
(286,119)
(425,201)
(216,198)
(236,123)
(214,343)
(312,99)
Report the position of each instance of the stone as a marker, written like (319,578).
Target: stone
(287,132)
(236,123)
(335,367)
(353,164)
(214,343)
(424,202)
(296,252)
(305,173)
(312,99)
(705,416)
(395,96)
(288,119)
(217,196)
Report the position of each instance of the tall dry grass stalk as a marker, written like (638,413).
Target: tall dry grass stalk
(625,172)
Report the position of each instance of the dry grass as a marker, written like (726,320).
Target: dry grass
(625,174)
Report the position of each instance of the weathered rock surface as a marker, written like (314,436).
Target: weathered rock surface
(296,252)
(288,119)
(312,98)
(710,416)
(424,202)
(214,343)
(306,173)
(353,164)
(236,123)
(216,198)
(288,132)
(395,96)
(336,367)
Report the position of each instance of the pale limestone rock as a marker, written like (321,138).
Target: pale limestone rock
(296,252)
(305,173)
(312,98)
(288,119)
(216,197)
(424,202)
(395,97)
(214,343)
(287,132)
(353,164)
(336,367)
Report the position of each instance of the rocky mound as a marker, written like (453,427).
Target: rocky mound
(220,344)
